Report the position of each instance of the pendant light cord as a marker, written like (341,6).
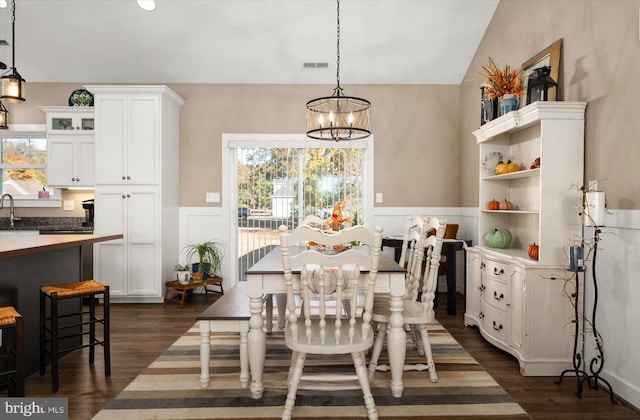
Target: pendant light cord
(338,48)
(13,35)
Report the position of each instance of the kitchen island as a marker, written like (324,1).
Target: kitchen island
(30,261)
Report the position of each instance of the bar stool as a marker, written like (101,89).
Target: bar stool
(52,331)
(12,350)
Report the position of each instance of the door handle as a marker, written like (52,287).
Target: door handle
(496,297)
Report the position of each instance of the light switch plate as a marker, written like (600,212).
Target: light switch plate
(213,197)
(378,197)
(68,205)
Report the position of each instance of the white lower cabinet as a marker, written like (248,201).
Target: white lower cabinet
(130,266)
(522,309)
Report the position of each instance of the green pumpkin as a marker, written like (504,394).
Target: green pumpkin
(498,238)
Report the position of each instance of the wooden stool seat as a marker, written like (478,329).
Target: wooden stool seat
(52,331)
(70,290)
(12,326)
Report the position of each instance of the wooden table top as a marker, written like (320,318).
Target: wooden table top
(272,263)
(12,246)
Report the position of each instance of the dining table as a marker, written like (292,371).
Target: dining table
(267,277)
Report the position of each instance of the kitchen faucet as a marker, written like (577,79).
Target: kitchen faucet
(12,216)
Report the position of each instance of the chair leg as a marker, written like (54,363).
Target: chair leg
(106,325)
(377,349)
(424,334)
(361,372)
(43,336)
(54,342)
(293,386)
(92,329)
(19,358)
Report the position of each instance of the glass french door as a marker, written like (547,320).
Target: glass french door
(280,186)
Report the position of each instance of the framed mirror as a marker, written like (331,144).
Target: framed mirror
(550,56)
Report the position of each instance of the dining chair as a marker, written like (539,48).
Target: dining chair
(418,304)
(310,220)
(329,278)
(412,231)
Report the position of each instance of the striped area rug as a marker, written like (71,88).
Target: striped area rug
(170,387)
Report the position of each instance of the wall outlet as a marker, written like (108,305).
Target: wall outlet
(68,205)
(378,197)
(213,197)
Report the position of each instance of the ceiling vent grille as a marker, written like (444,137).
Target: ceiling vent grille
(318,65)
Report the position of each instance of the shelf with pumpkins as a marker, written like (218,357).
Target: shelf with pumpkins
(521,244)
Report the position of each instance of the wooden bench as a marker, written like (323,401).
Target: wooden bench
(181,289)
(230,313)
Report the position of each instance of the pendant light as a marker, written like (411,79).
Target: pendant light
(4,117)
(338,117)
(13,83)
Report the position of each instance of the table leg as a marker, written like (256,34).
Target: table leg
(244,355)
(257,342)
(205,352)
(396,344)
(281,303)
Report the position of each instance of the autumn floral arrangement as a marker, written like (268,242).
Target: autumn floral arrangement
(502,82)
(336,220)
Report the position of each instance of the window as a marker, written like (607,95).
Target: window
(23,165)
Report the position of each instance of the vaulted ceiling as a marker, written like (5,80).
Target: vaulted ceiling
(245,41)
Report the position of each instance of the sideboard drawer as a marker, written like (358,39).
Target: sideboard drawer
(497,270)
(496,293)
(493,322)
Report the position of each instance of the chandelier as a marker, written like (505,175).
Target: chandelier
(13,83)
(338,117)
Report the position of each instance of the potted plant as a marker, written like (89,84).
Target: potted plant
(183,273)
(209,256)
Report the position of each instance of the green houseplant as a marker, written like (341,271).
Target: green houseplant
(208,255)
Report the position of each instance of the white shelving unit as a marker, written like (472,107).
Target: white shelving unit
(517,302)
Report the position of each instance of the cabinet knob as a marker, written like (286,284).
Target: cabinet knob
(124,196)
(73,179)
(128,177)
(78,179)
(498,272)
(497,327)
(481,287)
(496,297)
(128,195)
(124,177)
(482,266)
(481,315)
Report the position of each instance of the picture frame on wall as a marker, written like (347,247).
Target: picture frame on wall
(550,56)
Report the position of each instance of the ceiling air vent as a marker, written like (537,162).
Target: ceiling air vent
(319,65)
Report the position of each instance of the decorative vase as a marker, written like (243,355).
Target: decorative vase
(509,102)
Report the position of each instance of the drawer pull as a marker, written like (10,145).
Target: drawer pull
(482,266)
(498,328)
(496,272)
(481,287)
(496,297)
(481,315)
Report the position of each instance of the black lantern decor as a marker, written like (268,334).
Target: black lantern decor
(538,85)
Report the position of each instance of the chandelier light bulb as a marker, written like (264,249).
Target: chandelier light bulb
(3,4)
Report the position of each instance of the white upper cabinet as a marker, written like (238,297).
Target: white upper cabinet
(70,146)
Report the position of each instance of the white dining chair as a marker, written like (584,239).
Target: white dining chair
(328,279)
(312,221)
(418,304)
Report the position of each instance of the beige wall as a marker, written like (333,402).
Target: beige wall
(600,63)
(415,127)
(428,128)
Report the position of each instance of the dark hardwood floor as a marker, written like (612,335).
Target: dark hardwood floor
(141,332)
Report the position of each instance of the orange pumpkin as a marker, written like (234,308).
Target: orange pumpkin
(493,205)
(533,251)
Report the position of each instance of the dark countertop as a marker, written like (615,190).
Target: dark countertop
(48,224)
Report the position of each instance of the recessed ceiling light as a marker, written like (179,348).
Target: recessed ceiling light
(3,4)
(148,5)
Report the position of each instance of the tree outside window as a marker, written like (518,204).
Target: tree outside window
(23,166)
